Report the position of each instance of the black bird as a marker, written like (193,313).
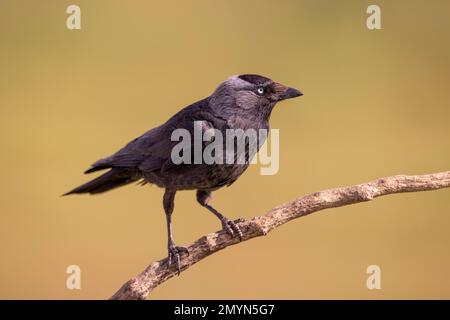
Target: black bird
(240,102)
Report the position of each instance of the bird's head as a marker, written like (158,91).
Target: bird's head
(250,94)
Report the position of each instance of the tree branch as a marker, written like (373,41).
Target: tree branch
(157,272)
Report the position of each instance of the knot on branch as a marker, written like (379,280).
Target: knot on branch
(365,192)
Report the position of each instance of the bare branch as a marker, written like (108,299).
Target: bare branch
(157,272)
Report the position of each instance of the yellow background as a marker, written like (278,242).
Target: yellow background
(376,103)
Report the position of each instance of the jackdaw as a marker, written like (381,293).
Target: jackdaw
(240,102)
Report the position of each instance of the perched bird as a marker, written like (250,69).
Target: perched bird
(240,102)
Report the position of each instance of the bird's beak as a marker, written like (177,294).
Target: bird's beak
(283,92)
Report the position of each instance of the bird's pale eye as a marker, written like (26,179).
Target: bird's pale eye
(260,90)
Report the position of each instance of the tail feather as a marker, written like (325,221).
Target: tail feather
(112,179)
(97,168)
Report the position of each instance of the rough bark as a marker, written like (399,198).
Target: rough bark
(157,272)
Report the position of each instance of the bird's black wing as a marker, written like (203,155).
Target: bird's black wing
(152,151)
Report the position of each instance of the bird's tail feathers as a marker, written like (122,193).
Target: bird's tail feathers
(112,179)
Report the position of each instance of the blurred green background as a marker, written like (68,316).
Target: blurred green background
(376,103)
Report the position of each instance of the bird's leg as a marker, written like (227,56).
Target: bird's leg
(228,225)
(174,251)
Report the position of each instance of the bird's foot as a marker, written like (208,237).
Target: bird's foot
(231,227)
(174,257)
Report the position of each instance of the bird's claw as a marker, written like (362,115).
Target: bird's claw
(232,228)
(174,256)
